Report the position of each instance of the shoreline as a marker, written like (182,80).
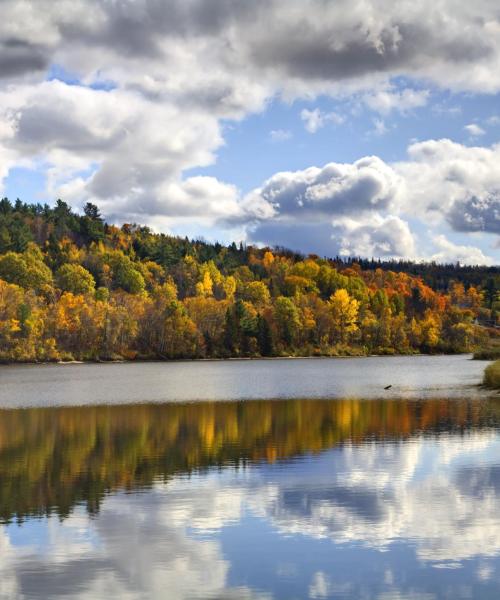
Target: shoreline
(229,359)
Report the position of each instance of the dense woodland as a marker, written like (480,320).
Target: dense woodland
(54,458)
(74,287)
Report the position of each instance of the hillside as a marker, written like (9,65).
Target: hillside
(74,287)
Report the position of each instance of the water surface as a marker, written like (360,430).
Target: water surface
(392,497)
(112,383)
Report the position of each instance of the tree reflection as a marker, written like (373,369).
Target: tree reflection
(54,458)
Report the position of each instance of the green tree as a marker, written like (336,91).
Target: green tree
(75,279)
(27,270)
(124,274)
(264,337)
(287,319)
(92,225)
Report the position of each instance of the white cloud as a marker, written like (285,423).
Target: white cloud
(363,208)
(386,101)
(452,182)
(316,119)
(280,135)
(443,108)
(288,43)
(448,252)
(375,236)
(380,127)
(474,130)
(172,76)
(335,189)
(114,147)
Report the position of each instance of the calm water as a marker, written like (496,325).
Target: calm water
(73,384)
(335,488)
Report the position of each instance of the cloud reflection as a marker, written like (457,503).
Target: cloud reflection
(439,496)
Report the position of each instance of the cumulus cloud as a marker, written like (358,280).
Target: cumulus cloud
(454,182)
(335,189)
(376,236)
(477,214)
(373,236)
(151,82)
(332,210)
(448,252)
(283,40)
(357,40)
(112,147)
(362,208)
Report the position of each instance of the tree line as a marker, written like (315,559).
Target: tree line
(74,287)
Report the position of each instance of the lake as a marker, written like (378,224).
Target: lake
(246,480)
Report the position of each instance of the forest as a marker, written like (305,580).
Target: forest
(73,287)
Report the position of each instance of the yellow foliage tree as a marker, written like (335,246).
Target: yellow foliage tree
(344,311)
(204,287)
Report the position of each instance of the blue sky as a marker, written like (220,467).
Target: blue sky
(250,142)
(221,123)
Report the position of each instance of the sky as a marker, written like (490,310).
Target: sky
(337,127)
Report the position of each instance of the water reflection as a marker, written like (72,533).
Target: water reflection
(283,499)
(52,458)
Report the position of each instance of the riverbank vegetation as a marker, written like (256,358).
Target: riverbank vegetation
(492,375)
(74,287)
(491,351)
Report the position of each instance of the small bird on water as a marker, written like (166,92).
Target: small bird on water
(388,387)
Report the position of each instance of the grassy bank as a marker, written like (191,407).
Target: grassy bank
(490,351)
(492,375)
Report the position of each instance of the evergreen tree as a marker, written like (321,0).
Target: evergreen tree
(264,337)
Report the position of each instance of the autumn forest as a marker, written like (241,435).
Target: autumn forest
(75,288)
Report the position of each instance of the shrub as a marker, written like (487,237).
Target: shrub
(492,375)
